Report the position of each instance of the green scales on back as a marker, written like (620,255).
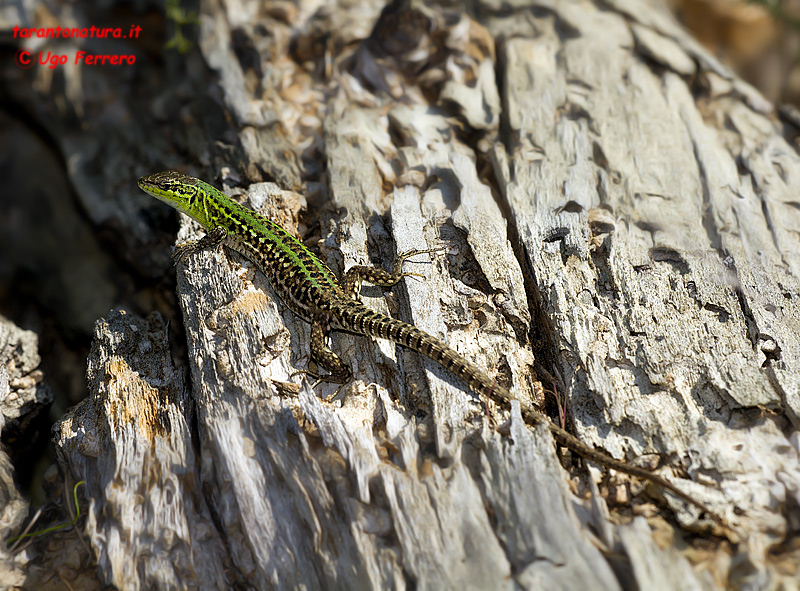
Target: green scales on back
(301,279)
(311,290)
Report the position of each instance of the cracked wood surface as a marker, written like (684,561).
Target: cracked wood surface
(23,394)
(618,212)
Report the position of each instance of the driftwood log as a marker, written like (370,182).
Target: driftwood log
(620,218)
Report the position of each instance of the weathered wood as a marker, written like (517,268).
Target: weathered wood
(617,210)
(130,441)
(22,395)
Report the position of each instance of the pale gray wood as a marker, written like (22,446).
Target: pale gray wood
(691,285)
(655,567)
(357,510)
(26,393)
(19,361)
(37,560)
(148,523)
(594,205)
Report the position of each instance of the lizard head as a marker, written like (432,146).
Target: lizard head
(184,193)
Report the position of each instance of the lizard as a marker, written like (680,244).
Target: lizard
(311,290)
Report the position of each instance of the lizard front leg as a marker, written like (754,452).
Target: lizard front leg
(211,240)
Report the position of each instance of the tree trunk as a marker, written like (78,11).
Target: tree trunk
(621,240)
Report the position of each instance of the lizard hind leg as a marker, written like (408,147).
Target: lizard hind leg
(351,282)
(323,356)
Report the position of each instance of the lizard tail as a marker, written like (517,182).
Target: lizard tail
(378,325)
(374,324)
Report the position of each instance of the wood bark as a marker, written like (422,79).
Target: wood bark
(620,220)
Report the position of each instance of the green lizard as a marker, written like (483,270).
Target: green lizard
(312,291)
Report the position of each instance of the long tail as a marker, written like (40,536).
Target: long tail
(363,320)
(378,325)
